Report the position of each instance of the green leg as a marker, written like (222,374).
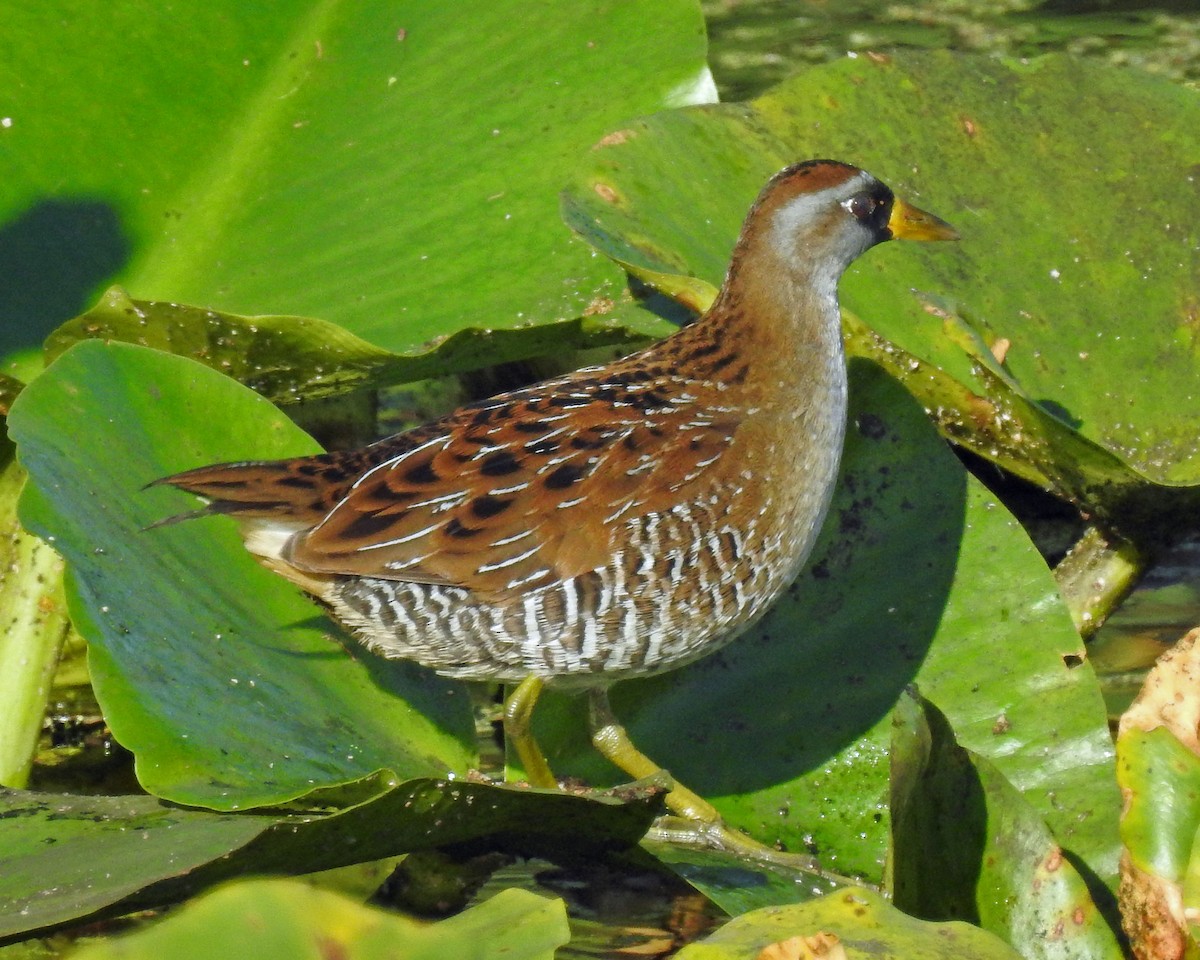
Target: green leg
(704,825)
(518,713)
(613,743)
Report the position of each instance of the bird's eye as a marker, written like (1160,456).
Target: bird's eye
(861,206)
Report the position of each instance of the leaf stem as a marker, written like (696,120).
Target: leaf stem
(1096,576)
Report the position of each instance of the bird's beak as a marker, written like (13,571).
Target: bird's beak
(912,223)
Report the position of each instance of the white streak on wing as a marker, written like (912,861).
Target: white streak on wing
(505,541)
(550,435)
(489,567)
(612,517)
(522,581)
(398,565)
(399,458)
(502,491)
(407,539)
(450,499)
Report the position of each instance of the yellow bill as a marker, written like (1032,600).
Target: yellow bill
(912,223)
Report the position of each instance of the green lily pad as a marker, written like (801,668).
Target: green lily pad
(919,576)
(865,924)
(68,858)
(391,170)
(231,688)
(267,919)
(1009,153)
(967,846)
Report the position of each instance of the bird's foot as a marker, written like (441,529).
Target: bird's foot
(693,822)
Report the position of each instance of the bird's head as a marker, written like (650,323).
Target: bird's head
(825,213)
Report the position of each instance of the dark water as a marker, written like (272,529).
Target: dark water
(756,43)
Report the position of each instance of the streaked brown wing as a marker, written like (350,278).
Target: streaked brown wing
(525,489)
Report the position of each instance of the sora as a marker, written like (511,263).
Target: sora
(615,522)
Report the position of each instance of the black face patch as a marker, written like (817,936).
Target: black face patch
(872,208)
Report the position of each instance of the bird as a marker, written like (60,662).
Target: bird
(617,521)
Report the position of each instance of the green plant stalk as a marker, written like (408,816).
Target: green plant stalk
(1096,576)
(31,634)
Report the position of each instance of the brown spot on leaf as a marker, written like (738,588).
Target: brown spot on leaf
(599,306)
(819,946)
(606,193)
(331,949)
(614,139)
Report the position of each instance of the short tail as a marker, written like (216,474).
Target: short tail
(281,489)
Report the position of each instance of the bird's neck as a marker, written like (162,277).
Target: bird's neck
(774,330)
